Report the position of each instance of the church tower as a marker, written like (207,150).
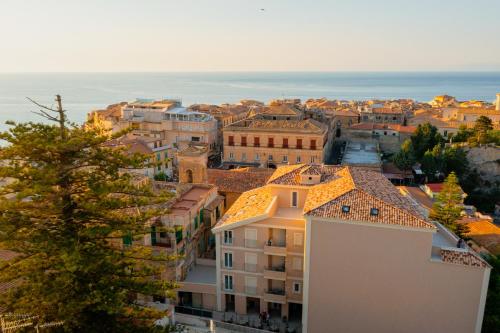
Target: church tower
(192,164)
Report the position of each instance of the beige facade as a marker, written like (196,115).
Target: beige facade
(192,164)
(340,249)
(274,142)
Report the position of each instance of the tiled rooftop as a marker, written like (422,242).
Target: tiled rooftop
(303,126)
(369,196)
(238,180)
(250,204)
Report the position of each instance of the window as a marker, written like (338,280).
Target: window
(346,209)
(313,158)
(285,142)
(270,157)
(313,145)
(251,238)
(228,260)
(295,196)
(228,237)
(297,238)
(158,156)
(285,158)
(270,142)
(298,159)
(251,285)
(374,211)
(250,262)
(297,264)
(195,138)
(296,287)
(243,156)
(299,144)
(257,157)
(231,140)
(165,155)
(231,156)
(228,282)
(243,141)
(256,141)
(385,132)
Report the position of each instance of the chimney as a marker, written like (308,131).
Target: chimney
(498,102)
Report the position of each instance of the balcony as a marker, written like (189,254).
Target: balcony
(275,296)
(275,273)
(275,248)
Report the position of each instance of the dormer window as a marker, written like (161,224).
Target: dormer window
(374,211)
(346,209)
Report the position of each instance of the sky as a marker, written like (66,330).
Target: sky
(237,35)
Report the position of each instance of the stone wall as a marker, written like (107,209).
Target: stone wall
(486,160)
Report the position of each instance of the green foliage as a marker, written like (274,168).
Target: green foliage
(463,134)
(161,176)
(70,206)
(448,204)
(425,138)
(481,133)
(430,166)
(405,158)
(491,321)
(454,160)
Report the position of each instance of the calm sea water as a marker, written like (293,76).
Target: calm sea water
(82,92)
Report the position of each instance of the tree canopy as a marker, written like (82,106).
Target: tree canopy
(425,138)
(66,208)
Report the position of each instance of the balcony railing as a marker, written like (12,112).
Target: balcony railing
(275,296)
(275,248)
(275,273)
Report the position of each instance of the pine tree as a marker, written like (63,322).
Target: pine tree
(448,205)
(66,208)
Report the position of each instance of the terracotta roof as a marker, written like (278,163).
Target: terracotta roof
(303,126)
(282,110)
(238,180)
(385,110)
(462,257)
(358,188)
(360,205)
(250,204)
(484,233)
(131,144)
(283,170)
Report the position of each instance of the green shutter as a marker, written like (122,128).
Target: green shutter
(178,234)
(153,235)
(196,222)
(201,216)
(127,240)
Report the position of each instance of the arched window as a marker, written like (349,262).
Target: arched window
(189,176)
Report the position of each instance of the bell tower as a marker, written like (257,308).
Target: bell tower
(192,164)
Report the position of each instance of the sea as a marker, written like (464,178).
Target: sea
(83,92)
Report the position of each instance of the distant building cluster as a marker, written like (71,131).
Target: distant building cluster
(284,217)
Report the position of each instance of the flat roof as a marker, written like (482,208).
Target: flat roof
(202,274)
(361,153)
